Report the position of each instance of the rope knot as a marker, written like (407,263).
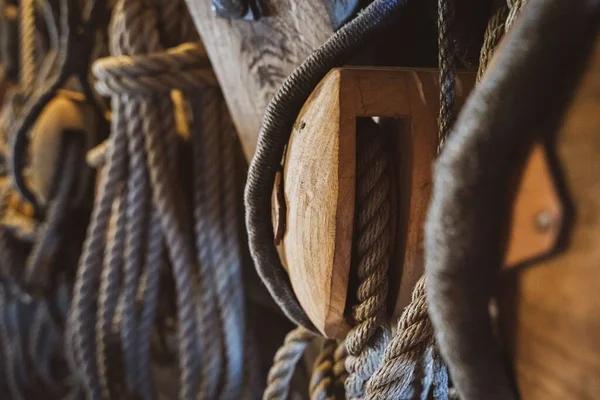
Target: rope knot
(184,67)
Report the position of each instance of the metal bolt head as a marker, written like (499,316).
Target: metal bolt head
(544,220)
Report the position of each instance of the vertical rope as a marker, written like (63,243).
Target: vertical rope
(284,364)
(447,65)
(366,340)
(27,35)
(407,370)
(515,7)
(411,366)
(328,372)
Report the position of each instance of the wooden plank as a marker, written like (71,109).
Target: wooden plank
(252,58)
(550,312)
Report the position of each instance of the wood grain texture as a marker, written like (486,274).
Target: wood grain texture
(551,311)
(319,183)
(252,58)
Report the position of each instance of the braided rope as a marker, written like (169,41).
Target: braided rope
(329,373)
(366,340)
(402,374)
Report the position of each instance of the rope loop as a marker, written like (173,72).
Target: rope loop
(184,67)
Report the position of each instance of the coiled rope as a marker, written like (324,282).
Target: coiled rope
(141,203)
(27,37)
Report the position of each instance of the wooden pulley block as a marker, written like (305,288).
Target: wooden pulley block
(314,207)
(67,112)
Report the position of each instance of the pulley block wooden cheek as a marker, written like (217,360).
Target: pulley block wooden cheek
(314,200)
(319,181)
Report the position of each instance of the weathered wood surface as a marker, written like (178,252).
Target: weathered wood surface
(252,58)
(319,183)
(551,311)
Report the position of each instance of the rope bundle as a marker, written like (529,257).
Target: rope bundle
(140,220)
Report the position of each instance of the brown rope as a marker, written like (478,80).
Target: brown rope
(366,340)
(493,34)
(399,377)
(328,373)
(284,364)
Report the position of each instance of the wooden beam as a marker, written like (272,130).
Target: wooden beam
(252,58)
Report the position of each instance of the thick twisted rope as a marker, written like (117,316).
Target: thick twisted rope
(134,33)
(205,260)
(411,367)
(493,33)
(515,7)
(284,364)
(369,336)
(181,68)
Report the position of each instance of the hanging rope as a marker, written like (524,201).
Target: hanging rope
(411,367)
(27,37)
(329,372)
(140,202)
(284,364)
(493,33)
(367,339)
(36,251)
